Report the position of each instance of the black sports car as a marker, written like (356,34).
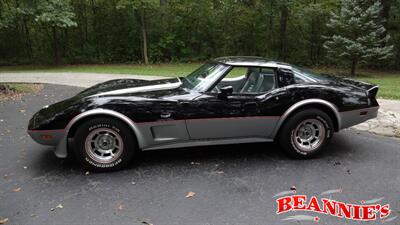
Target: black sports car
(227,100)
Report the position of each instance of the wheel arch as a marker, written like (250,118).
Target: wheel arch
(79,119)
(327,107)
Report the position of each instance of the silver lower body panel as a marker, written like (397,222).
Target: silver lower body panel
(354,117)
(207,142)
(180,133)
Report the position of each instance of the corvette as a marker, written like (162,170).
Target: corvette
(226,101)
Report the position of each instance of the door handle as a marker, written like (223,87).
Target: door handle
(165,115)
(184,103)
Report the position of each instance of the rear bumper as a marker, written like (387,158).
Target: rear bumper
(354,117)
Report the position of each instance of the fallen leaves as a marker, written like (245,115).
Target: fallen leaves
(145,222)
(59,206)
(337,163)
(3,221)
(120,207)
(190,194)
(18,189)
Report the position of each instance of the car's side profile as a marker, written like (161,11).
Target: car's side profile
(228,100)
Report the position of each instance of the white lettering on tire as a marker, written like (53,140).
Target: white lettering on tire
(103,165)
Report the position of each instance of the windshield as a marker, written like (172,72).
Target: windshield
(205,76)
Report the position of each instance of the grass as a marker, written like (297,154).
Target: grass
(389,82)
(172,70)
(389,85)
(16,90)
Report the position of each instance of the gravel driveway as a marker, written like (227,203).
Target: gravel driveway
(233,184)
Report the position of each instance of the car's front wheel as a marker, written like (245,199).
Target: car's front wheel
(305,134)
(104,144)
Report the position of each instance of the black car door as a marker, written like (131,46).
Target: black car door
(236,116)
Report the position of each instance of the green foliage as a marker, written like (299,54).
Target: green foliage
(55,13)
(137,4)
(359,35)
(7,18)
(111,31)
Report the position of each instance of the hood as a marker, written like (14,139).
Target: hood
(129,87)
(134,90)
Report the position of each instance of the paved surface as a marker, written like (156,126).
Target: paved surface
(234,184)
(390,105)
(71,79)
(388,121)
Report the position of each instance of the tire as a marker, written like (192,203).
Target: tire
(306,133)
(104,144)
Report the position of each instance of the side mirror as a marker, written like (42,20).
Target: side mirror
(225,92)
(286,77)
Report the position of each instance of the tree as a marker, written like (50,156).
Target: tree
(56,14)
(385,12)
(140,8)
(125,31)
(284,17)
(359,35)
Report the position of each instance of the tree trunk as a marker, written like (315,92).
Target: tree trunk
(65,42)
(28,41)
(163,2)
(313,38)
(55,46)
(271,25)
(144,36)
(353,67)
(385,13)
(283,32)
(94,27)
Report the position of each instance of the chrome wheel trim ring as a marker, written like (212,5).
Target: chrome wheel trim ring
(309,135)
(104,145)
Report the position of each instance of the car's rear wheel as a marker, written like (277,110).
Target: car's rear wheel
(104,144)
(305,134)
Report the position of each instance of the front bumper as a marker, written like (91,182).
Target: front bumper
(53,138)
(354,117)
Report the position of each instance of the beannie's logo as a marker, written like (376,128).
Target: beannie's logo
(366,211)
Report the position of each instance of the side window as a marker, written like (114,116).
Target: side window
(235,78)
(269,79)
(249,80)
(237,72)
(299,80)
(285,77)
